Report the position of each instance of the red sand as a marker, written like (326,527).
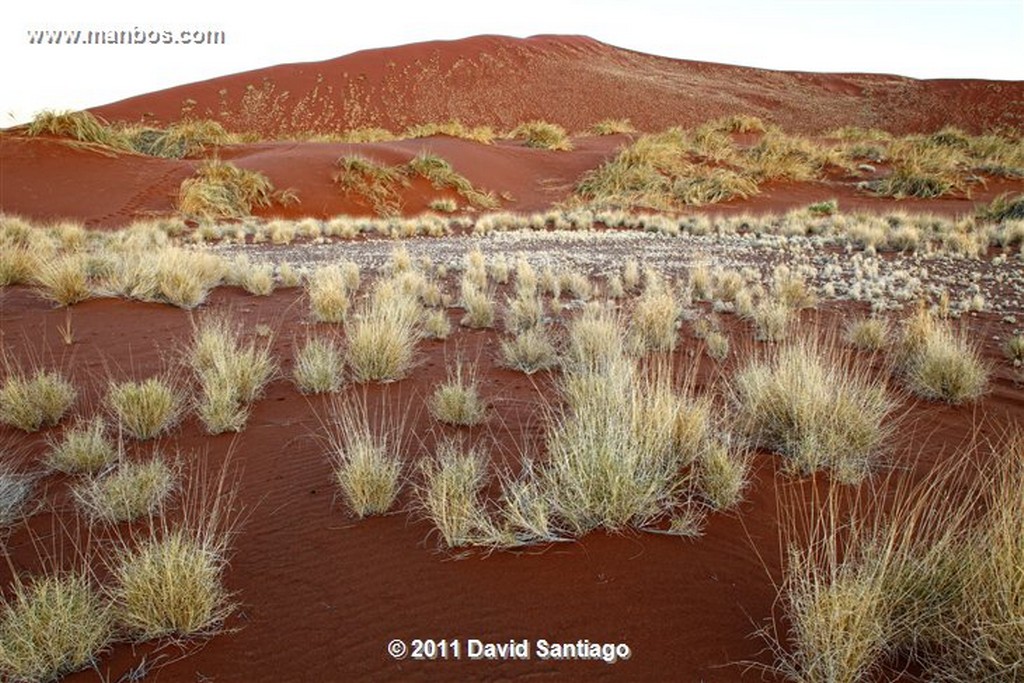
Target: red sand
(46,180)
(570,80)
(321,594)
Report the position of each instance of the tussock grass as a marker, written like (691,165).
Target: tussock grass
(990,617)
(530,351)
(443,177)
(542,135)
(219,190)
(453,129)
(612,127)
(722,475)
(595,341)
(925,578)
(319,366)
(255,278)
(231,373)
(29,403)
(366,456)
(1014,348)
(772,320)
(812,403)
(524,312)
(778,156)
(187,138)
(77,125)
(146,409)
(376,184)
(18,265)
(132,490)
(717,345)
(457,401)
(654,318)
(615,452)
(51,626)
(449,494)
(329,290)
(867,334)
(436,324)
(64,279)
(167,578)
(712,186)
(382,336)
(478,305)
(1005,207)
(180,277)
(938,363)
(86,447)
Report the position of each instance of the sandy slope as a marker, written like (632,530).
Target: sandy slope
(571,80)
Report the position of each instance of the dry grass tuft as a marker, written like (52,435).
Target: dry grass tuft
(478,305)
(543,135)
(382,337)
(64,279)
(133,490)
(220,190)
(612,127)
(450,494)
(145,409)
(319,366)
(15,490)
(457,401)
(231,373)
(868,334)
(653,324)
(938,363)
(812,403)
(722,475)
(84,448)
(40,401)
(167,578)
(530,351)
(51,626)
(330,290)
(366,457)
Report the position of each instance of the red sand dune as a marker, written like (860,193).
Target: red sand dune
(571,80)
(494,81)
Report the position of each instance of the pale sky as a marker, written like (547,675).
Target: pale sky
(918,38)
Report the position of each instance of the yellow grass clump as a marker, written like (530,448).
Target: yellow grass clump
(51,626)
(29,403)
(366,457)
(86,447)
(145,409)
(812,402)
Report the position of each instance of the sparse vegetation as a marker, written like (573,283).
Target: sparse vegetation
(543,135)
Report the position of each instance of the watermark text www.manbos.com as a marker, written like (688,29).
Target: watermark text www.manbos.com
(124,36)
